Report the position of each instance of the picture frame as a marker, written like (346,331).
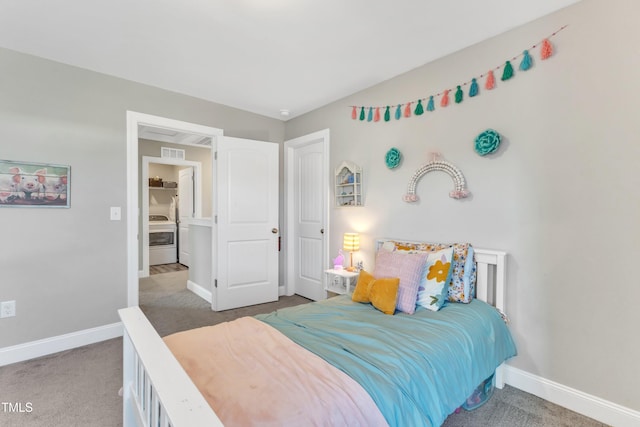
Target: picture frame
(34,185)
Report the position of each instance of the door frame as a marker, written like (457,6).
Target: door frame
(144,209)
(289,202)
(135,119)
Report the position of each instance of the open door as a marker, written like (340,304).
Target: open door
(247,223)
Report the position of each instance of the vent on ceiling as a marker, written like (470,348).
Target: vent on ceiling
(171,153)
(206,141)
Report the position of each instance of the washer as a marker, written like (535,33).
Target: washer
(163,245)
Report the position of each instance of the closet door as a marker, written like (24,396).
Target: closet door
(248,229)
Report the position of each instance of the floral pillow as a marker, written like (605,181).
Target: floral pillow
(433,290)
(462,285)
(408,268)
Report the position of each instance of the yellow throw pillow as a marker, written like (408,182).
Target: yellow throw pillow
(363,286)
(382,293)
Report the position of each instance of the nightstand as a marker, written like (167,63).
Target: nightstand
(340,281)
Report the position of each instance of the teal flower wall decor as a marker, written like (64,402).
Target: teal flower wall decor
(392,158)
(487,142)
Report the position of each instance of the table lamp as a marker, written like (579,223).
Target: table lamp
(351,243)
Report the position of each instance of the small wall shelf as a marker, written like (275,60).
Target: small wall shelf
(348,185)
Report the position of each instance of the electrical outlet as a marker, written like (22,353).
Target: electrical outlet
(7,309)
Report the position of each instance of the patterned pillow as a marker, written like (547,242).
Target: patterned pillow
(406,266)
(462,285)
(433,290)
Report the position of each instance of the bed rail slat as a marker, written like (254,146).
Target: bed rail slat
(156,390)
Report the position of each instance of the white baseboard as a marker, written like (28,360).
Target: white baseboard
(200,291)
(43,347)
(591,406)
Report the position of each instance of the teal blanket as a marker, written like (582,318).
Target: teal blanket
(417,368)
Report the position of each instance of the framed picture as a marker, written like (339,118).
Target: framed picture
(24,184)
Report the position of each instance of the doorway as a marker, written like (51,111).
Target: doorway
(137,125)
(164,200)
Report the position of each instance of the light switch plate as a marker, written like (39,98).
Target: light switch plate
(116,213)
(7,309)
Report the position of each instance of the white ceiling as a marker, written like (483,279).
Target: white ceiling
(258,55)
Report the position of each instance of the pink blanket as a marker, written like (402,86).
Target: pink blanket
(252,375)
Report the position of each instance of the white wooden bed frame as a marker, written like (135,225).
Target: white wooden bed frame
(158,392)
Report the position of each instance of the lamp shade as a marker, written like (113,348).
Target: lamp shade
(351,242)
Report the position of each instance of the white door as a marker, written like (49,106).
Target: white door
(186,211)
(247,223)
(308,210)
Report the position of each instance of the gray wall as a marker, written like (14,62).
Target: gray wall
(66,268)
(561,196)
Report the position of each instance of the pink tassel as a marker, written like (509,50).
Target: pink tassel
(445,98)
(546,50)
(354,113)
(407,110)
(491,81)
(376,116)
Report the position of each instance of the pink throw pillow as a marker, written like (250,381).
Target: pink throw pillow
(408,267)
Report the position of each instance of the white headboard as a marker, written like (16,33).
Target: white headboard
(491,273)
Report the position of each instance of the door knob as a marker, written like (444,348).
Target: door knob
(322,231)
(274,230)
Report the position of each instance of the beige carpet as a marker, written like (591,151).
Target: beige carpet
(171,307)
(79,387)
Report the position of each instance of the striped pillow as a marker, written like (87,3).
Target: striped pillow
(406,266)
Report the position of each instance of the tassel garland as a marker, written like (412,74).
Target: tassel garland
(546,50)
(458,95)
(473,90)
(431,104)
(406,110)
(508,71)
(526,62)
(490,83)
(445,98)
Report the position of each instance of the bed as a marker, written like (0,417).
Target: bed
(332,362)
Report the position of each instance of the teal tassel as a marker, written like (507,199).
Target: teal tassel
(458,95)
(398,112)
(508,71)
(430,105)
(473,90)
(362,113)
(526,62)
(370,115)
(387,114)
(419,108)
